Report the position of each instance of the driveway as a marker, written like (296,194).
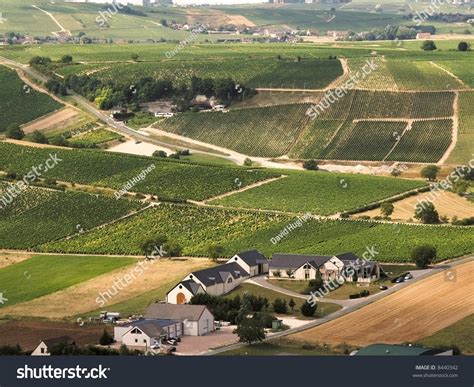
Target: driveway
(197,345)
(362,302)
(263,282)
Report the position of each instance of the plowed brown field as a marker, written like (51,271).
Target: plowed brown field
(410,314)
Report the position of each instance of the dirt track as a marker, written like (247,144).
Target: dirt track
(405,316)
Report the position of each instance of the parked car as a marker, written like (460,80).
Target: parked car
(172,342)
(155,346)
(400,280)
(178,339)
(408,277)
(383,287)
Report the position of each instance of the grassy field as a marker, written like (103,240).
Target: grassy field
(168,179)
(458,334)
(151,281)
(324,308)
(341,293)
(19,103)
(40,215)
(319,192)
(195,229)
(44,274)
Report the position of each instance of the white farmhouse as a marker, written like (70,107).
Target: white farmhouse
(305,267)
(219,279)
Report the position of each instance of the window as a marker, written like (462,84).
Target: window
(306,276)
(229,281)
(136,340)
(137,331)
(144,341)
(42,350)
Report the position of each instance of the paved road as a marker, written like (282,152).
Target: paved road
(345,310)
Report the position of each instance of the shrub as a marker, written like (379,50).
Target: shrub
(13,131)
(428,45)
(159,153)
(106,339)
(310,165)
(279,306)
(308,310)
(39,137)
(355,295)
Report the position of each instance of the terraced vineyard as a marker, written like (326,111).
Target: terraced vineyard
(264,131)
(366,125)
(421,75)
(195,228)
(19,103)
(168,179)
(38,215)
(364,140)
(426,141)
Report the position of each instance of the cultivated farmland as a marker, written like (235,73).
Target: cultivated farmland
(319,192)
(370,125)
(20,103)
(263,131)
(169,179)
(196,228)
(405,316)
(286,73)
(39,215)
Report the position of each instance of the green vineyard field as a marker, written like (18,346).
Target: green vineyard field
(195,229)
(20,103)
(263,131)
(169,179)
(39,215)
(426,142)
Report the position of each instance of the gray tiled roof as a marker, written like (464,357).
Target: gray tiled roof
(192,286)
(294,261)
(252,257)
(174,311)
(153,328)
(218,274)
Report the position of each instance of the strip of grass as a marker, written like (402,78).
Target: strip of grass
(46,274)
(458,334)
(284,346)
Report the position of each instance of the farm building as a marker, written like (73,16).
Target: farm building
(219,279)
(305,267)
(44,348)
(253,262)
(196,319)
(144,333)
